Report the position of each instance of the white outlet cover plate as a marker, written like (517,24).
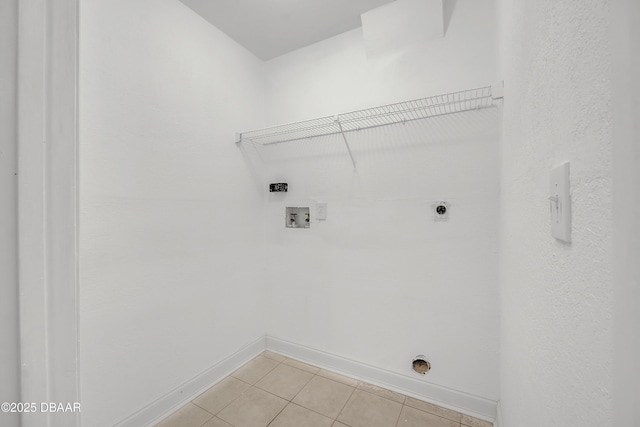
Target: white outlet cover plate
(437,216)
(321,211)
(560,202)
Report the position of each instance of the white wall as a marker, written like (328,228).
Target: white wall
(556,299)
(336,76)
(379,282)
(170,232)
(9,345)
(626,208)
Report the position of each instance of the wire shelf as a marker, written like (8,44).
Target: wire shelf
(367,118)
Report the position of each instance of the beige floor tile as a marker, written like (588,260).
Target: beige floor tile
(255,408)
(382,392)
(275,356)
(301,365)
(320,399)
(284,381)
(255,369)
(340,378)
(469,421)
(221,394)
(411,417)
(324,396)
(297,416)
(433,409)
(216,422)
(189,415)
(368,410)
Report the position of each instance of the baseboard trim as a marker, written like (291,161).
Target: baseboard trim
(172,401)
(459,401)
(499,421)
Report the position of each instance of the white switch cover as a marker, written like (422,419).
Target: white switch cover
(321,211)
(560,203)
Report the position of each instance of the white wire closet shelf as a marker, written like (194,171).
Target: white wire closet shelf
(401,112)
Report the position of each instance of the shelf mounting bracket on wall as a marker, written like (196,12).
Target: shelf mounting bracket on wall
(346,143)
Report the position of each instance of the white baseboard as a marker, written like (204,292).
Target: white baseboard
(459,401)
(172,401)
(499,421)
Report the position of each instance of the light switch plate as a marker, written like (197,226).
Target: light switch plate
(560,202)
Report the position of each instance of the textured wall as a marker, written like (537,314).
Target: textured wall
(379,282)
(556,299)
(9,357)
(169,241)
(626,161)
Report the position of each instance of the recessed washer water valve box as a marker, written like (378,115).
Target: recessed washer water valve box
(297,217)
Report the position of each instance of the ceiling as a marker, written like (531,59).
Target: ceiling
(270,28)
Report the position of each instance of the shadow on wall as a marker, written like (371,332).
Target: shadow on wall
(448,7)
(254,160)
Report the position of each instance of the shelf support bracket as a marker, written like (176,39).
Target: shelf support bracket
(497,90)
(346,143)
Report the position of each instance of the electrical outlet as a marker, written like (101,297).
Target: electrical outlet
(440,211)
(321,211)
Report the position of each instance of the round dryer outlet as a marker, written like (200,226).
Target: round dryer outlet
(440,211)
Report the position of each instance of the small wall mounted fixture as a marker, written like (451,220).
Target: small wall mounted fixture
(420,364)
(297,217)
(560,202)
(277,187)
(440,211)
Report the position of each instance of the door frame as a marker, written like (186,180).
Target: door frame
(48,207)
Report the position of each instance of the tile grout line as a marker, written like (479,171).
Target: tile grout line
(390,400)
(310,379)
(399,415)
(290,401)
(233,400)
(278,414)
(237,397)
(334,420)
(210,418)
(345,404)
(195,404)
(258,388)
(307,383)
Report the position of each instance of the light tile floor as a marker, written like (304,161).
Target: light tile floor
(275,391)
